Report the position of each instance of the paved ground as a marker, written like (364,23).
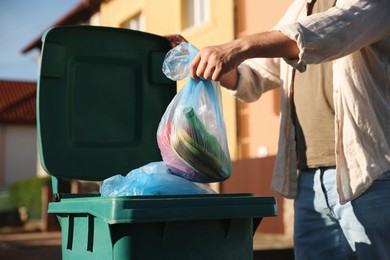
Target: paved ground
(29,243)
(31,246)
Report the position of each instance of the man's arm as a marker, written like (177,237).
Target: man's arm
(219,62)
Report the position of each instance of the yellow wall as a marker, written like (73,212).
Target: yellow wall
(164,17)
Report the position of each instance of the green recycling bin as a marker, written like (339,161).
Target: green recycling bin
(101,95)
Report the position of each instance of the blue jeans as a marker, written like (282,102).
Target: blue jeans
(325,229)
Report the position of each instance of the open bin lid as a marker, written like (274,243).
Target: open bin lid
(101,95)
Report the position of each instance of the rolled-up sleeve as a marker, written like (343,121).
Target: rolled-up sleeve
(257,76)
(343,29)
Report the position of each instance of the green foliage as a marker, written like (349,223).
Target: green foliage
(28,193)
(3,201)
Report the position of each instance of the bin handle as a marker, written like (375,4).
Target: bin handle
(255,224)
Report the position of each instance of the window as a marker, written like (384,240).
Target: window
(135,23)
(195,12)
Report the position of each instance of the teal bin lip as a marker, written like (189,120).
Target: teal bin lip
(140,209)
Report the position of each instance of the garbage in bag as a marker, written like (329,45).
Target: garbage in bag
(191,134)
(151,179)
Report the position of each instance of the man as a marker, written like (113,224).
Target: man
(332,61)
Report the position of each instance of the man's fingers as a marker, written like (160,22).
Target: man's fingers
(208,72)
(206,66)
(194,66)
(217,74)
(175,39)
(200,71)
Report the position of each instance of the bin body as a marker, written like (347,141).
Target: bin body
(101,95)
(166,227)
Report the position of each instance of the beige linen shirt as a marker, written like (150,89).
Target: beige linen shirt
(355,36)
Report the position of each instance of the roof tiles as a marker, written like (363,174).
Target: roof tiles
(17,102)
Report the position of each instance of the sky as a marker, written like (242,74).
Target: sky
(21,21)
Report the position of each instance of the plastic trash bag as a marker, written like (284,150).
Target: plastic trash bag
(177,61)
(192,134)
(151,179)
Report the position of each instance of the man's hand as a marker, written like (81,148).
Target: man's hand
(212,62)
(175,39)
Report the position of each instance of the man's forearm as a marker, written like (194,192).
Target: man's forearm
(271,44)
(266,45)
(215,62)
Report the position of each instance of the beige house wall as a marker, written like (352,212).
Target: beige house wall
(18,153)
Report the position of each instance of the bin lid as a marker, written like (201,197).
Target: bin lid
(100,97)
